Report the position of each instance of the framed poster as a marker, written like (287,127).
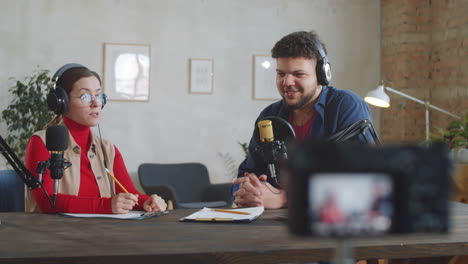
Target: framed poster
(264,78)
(126,71)
(201,76)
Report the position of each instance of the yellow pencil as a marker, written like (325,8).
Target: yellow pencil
(116,181)
(229,211)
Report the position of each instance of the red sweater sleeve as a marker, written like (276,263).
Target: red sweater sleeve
(121,173)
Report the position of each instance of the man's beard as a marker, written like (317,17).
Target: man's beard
(303,101)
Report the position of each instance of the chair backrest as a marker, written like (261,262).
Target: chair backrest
(188,179)
(11,192)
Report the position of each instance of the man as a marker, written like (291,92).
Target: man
(314,109)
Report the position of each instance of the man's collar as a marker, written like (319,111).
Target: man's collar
(322,97)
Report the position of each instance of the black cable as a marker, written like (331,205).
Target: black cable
(104,155)
(102,148)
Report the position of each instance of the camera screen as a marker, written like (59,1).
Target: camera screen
(350,204)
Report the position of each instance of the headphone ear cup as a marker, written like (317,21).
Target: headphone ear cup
(57,100)
(323,72)
(104,100)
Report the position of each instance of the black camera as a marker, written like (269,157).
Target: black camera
(351,190)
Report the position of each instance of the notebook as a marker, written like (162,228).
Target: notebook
(224,215)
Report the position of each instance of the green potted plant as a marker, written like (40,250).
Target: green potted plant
(231,166)
(27,111)
(455,136)
(245,148)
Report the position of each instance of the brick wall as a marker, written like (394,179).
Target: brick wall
(425,54)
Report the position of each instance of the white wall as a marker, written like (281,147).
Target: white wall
(175,126)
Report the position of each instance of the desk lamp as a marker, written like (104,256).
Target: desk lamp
(379,98)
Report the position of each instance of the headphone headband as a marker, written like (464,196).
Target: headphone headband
(318,45)
(65,68)
(57,99)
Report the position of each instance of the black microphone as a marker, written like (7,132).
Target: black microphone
(57,143)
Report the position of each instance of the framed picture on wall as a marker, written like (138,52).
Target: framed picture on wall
(201,76)
(264,78)
(127,72)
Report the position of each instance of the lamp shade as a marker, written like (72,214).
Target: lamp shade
(378,97)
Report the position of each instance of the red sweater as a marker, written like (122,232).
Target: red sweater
(88,199)
(302,132)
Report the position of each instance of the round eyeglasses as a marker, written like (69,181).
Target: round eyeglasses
(87,99)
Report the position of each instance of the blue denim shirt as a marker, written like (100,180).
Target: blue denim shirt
(335,110)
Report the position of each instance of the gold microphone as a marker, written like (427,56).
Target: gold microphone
(266,137)
(266,131)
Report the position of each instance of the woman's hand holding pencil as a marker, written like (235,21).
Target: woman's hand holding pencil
(122,203)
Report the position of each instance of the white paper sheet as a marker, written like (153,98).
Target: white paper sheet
(129,215)
(209,214)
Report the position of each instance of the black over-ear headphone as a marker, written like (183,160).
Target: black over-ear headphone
(57,99)
(323,69)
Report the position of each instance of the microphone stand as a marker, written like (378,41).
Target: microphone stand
(343,254)
(272,152)
(44,165)
(22,172)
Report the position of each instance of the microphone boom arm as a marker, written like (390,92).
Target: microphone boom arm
(358,127)
(16,164)
(26,176)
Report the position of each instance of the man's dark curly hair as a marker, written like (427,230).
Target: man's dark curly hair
(298,44)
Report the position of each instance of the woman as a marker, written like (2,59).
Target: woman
(85,187)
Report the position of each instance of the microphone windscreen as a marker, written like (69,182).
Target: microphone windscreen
(57,138)
(266,131)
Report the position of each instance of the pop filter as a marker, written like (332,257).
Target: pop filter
(282,130)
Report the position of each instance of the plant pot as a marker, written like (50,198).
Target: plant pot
(460,182)
(460,175)
(461,155)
